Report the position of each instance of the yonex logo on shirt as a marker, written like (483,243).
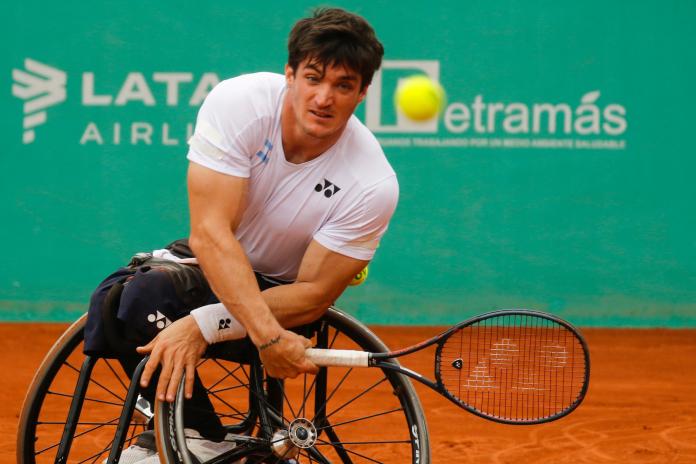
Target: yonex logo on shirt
(329,188)
(263,154)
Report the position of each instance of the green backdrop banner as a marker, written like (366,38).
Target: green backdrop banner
(557,178)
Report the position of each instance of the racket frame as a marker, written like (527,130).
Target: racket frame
(386,361)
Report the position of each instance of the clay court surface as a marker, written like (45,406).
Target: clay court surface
(641,406)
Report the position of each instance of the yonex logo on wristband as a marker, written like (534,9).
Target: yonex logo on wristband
(217,324)
(329,188)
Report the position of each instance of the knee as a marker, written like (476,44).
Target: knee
(148,304)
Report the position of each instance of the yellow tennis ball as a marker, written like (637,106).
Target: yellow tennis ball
(359,277)
(419,97)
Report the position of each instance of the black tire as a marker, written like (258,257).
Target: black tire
(390,428)
(48,400)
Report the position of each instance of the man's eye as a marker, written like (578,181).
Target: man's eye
(312,78)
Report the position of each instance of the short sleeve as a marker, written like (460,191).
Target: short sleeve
(357,231)
(224,137)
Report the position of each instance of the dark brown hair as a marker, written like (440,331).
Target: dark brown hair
(335,37)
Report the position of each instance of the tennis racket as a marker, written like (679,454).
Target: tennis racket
(509,366)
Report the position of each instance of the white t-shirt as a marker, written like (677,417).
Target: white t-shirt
(343,199)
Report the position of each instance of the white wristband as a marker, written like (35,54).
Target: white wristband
(217,324)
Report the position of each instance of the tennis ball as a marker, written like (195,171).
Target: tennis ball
(419,97)
(359,277)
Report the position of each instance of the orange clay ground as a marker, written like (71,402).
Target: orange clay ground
(640,408)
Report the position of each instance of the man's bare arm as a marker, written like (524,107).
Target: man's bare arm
(322,277)
(216,204)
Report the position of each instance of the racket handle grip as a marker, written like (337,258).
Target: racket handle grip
(349,358)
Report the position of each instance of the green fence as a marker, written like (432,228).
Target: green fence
(558,177)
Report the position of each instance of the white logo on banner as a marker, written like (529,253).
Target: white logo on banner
(481,123)
(374,98)
(40,86)
(477,122)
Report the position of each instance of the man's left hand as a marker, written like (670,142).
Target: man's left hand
(178,348)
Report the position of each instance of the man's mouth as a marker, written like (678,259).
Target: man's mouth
(321,114)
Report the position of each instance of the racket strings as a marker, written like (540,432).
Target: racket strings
(513,367)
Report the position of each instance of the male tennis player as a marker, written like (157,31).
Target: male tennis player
(286,183)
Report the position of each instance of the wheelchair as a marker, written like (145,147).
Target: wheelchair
(85,409)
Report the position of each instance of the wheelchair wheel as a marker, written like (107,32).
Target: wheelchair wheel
(45,412)
(341,415)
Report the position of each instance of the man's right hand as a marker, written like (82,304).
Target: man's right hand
(284,355)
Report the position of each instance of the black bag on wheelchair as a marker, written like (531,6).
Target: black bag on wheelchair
(133,304)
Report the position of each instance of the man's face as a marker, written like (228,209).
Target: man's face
(323,98)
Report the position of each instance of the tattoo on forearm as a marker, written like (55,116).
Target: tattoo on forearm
(270,343)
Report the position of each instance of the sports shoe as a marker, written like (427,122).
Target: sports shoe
(143,448)
(202,448)
(133,454)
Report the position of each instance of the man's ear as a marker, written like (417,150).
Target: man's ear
(289,74)
(362,94)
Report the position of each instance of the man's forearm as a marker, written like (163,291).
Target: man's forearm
(298,303)
(232,279)
(322,277)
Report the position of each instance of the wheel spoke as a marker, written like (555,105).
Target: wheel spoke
(361,418)
(238,415)
(221,390)
(259,396)
(96,458)
(87,398)
(98,454)
(322,409)
(132,424)
(285,398)
(304,391)
(226,404)
(379,442)
(111,422)
(118,377)
(340,446)
(95,382)
(229,373)
(358,396)
(314,381)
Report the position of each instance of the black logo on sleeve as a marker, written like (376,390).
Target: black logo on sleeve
(224,324)
(329,188)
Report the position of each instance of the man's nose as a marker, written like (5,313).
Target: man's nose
(324,96)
